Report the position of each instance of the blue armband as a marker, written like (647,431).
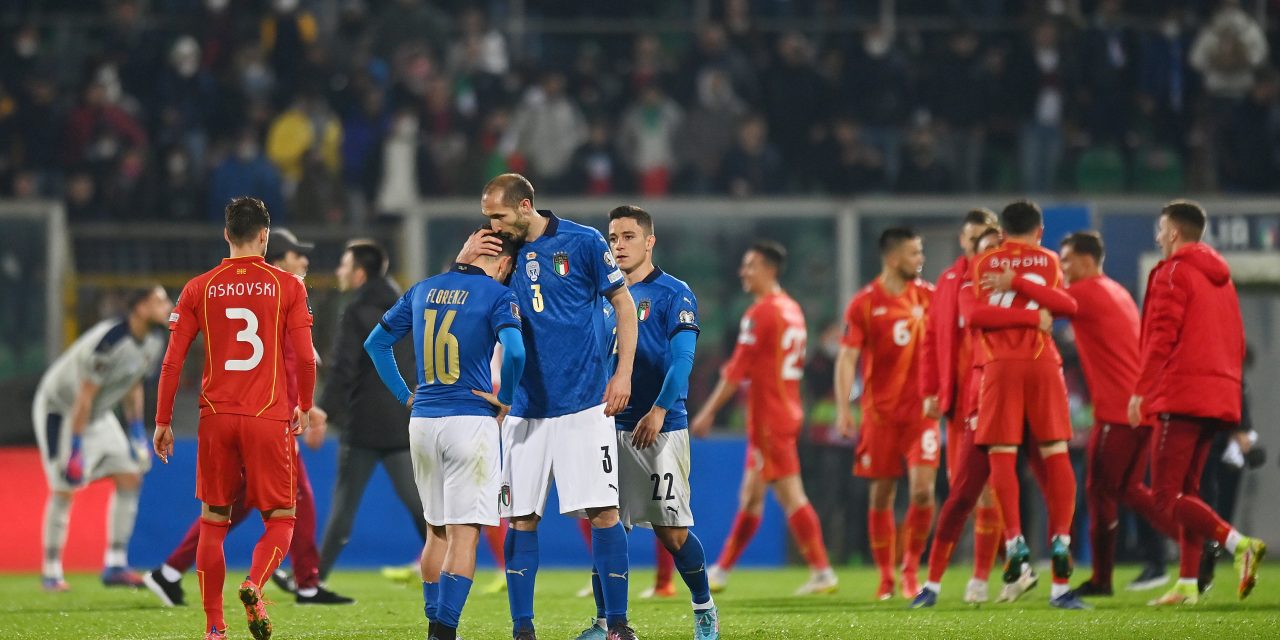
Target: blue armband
(378,346)
(676,383)
(512,363)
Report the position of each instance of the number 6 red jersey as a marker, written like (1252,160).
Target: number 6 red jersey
(889,329)
(770,355)
(1036,267)
(246,309)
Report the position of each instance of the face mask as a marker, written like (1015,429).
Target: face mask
(286,6)
(876,46)
(1170,29)
(26,47)
(246,151)
(216,6)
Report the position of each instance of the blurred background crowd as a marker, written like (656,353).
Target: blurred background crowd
(338,111)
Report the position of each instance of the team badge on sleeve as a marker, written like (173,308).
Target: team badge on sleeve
(532,270)
(560,263)
(515,310)
(686,317)
(642,310)
(608,259)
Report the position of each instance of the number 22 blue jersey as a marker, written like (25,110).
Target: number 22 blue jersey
(559,281)
(665,306)
(455,318)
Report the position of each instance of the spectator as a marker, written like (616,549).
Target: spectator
(648,65)
(646,138)
(180,196)
(960,90)
(753,165)
(402,22)
(875,86)
(246,172)
(708,131)
(1251,136)
(18,61)
(547,128)
(306,127)
(795,102)
(851,165)
(922,172)
(404,166)
(1165,77)
(1109,55)
(446,130)
(362,132)
(185,95)
(597,169)
(99,129)
(1045,75)
(1228,51)
(480,49)
(286,34)
(82,198)
(713,50)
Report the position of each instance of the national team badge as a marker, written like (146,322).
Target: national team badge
(642,310)
(532,270)
(686,317)
(515,310)
(560,263)
(917,311)
(504,495)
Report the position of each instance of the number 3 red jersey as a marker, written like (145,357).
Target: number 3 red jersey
(1032,263)
(770,355)
(888,330)
(246,310)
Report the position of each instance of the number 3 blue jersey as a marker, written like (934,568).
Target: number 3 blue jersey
(455,318)
(559,280)
(665,306)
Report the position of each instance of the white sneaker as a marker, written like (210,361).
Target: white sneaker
(1014,590)
(976,592)
(824,581)
(717,578)
(587,591)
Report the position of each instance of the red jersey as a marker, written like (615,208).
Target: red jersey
(246,310)
(889,330)
(1037,269)
(770,355)
(1106,325)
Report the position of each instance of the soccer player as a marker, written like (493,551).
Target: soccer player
(1022,388)
(246,310)
(1192,355)
(885,323)
(946,366)
(561,424)
(770,354)
(456,317)
(80,439)
(1106,331)
(284,251)
(653,431)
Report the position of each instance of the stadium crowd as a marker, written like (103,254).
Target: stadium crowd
(335,111)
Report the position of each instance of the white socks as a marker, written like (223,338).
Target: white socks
(1233,541)
(57,512)
(935,587)
(1058,590)
(121,515)
(170,574)
(706,606)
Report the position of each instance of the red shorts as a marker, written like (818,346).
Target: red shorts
(773,455)
(244,455)
(883,446)
(1022,392)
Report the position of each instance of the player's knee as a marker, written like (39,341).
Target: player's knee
(127,481)
(672,537)
(524,523)
(603,518)
(922,497)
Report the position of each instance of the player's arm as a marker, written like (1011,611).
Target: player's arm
(305,353)
(930,373)
(846,369)
(1162,326)
(731,376)
(511,341)
(618,393)
(183,328)
(395,323)
(74,471)
(982,315)
(131,405)
(675,385)
(1051,297)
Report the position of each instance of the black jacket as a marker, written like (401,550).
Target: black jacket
(354,397)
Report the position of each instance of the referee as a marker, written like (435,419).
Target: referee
(374,425)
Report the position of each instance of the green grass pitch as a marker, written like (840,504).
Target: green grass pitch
(757,604)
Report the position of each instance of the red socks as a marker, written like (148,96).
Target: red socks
(744,528)
(1004,481)
(271,549)
(986,541)
(584,527)
(666,565)
(211,570)
(1060,493)
(880,528)
(917,524)
(807,531)
(496,537)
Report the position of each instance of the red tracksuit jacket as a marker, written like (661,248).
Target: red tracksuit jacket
(944,351)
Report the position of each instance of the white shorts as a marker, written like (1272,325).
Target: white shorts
(455,465)
(103,445)
(579,451)
(655,481)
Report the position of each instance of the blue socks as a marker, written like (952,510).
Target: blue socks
(691,562)
(430,596)
(520,551)
(597,590)
(453,596)
(609,555)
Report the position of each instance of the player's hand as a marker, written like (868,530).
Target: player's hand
(74,471)
(491,398)
(408,404)
(617,395)
(1135,411)
(301,421)
(700,426)
(846,425)
(646,431)
(484,242)
(314,437)
(1000,282)
(1046,321)
(932,408)
(162,441)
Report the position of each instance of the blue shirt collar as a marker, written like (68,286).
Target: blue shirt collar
(653,275)
(469,269)
(553,223)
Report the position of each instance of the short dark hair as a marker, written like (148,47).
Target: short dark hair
(1021,217)
(1086,243)
(641,216)
(893,237)
(1189,216)
(989,230)
(981,216)
(514,187)
(773,253)
(509,246)
(246,216)
(137,296)
(369,257)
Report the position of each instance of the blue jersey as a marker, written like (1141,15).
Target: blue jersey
(559,280)
(665,306)
(455,318)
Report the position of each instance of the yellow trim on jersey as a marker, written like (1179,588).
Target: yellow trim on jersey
(208,336)
(279,336)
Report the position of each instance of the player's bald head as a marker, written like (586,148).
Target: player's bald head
(510,188)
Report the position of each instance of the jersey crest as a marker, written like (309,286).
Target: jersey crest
(560,262)
(642,310)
